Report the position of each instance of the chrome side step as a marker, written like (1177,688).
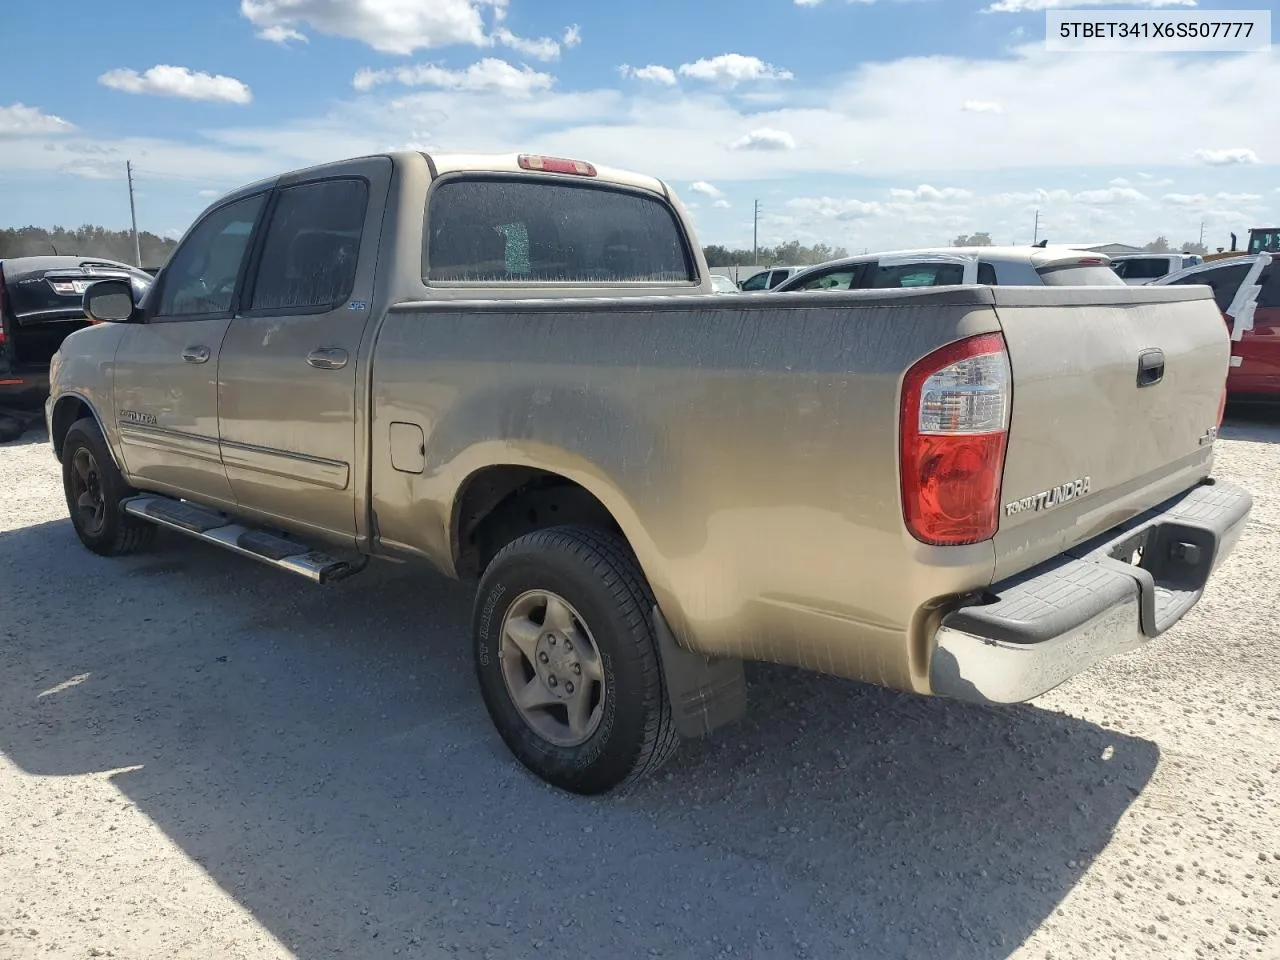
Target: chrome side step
(217,528)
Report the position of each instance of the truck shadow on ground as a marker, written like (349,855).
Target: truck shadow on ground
(1258,422)
(323,754)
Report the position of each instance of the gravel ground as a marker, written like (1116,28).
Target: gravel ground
(201,757)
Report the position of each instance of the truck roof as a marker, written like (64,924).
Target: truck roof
(467,162)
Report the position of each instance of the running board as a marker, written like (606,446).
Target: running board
(221,530)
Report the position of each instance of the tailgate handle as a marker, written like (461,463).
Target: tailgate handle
(1150,367)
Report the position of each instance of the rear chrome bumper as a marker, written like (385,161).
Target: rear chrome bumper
(1034,631)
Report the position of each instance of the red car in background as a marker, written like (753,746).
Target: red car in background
(1247,291)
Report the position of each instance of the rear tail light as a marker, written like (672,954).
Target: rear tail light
(954,433)
(555,165)
(2,305)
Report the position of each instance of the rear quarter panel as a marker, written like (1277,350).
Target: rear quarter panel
(746,445)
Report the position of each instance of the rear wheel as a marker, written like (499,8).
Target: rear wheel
(94,490)
(567,660)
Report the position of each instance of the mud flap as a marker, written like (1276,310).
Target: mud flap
(705,693)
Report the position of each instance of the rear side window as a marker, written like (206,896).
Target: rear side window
(917,275)
(1080,275)
(1224,282)
(535,231)
(842,279)
(312,245)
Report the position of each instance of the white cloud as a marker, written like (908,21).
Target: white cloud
(92,170)
(1121,182)
(572,36)
(388,26)
(730,69)
(926,192)
(1226,158)
(488,75)
(209,194)
(982,106)
(765,139)
(1110,195)
(1033,6)
(164,80)
(831,208)
(543,48)
(19,120)
(722,204)
(1204,200)
(653,72)
(706,189)
(281,35)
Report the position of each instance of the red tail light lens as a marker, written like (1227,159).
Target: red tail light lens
(2,296)
(953,436)
(556,165)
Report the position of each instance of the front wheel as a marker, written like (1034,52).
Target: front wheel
(95,489)
(567,660)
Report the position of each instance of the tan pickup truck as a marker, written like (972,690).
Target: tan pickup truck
(513,368)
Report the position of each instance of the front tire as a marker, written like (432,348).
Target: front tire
(94,490)
(568,663)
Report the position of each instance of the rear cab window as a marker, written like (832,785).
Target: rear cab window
(1079,275)
(527,230)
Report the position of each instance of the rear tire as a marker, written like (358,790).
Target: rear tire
(568,663)
(94,490)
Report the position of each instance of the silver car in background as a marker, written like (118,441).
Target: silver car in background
(947,266)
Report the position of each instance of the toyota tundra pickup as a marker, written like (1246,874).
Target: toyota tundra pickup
(514,369)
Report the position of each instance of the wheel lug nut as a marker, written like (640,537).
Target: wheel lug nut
(568,687)
(542,657)
(568,644)
(552,681)
(577,669)
(551,640)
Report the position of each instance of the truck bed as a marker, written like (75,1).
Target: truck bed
(755,474)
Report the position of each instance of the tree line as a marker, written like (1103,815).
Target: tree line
(793,254)
(86,241)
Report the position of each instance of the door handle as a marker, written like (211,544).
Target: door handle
(195,354)
(1150,367)
(327,358)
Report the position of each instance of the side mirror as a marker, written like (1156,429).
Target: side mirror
(109,301)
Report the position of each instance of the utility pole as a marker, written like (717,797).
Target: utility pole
(755,236)
(1035,237)
(1202,233)
(133,215)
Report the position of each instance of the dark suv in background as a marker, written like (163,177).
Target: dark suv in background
(40,305)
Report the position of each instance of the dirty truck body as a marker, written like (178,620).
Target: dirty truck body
(968,491)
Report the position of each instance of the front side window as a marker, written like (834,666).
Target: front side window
(537,231)
(312,245)
(200,278)
(756,281)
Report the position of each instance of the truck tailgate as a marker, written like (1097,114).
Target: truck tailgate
(1116,400)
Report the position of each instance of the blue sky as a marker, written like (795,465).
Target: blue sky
(863,123)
